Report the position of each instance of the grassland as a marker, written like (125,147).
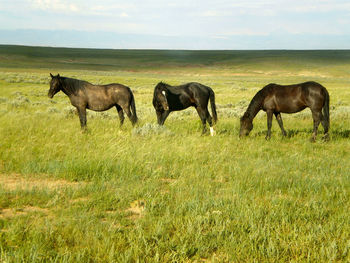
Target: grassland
(152,194)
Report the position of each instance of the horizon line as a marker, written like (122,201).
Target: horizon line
(174,49)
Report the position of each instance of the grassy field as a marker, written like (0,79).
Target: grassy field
(162,194)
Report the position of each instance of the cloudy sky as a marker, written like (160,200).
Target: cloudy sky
(180,24)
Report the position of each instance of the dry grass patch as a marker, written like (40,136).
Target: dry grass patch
(16,181)
(13,212)
(168,180)
(137,209)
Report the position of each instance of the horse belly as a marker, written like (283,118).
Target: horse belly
(178,107)
(291,107)
(181,103)
(99,105)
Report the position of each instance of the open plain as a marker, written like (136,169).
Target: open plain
(159,194)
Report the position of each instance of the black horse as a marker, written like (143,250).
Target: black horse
(168,98)
(84,95)
(275,99)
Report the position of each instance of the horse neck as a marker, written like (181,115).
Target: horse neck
(254,107)
(69,86)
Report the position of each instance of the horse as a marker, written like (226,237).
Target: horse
(84,95)
(168,98)
(274,99)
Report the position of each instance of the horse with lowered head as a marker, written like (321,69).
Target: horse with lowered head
(84,95)
(274,99)
(168,98)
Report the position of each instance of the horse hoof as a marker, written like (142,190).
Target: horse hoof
(267,138)
(312,139)
(212,131)
(325,137)
(84,130)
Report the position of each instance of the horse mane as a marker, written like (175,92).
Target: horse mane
(72,86)
(162,84)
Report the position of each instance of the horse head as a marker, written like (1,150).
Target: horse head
(55,85)
(160,96)
(246,125)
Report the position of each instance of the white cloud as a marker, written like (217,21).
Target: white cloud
(313,6)
(55,6)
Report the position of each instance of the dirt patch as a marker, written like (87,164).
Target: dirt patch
(137,209)
(13,212)
(17,181)
(311,74)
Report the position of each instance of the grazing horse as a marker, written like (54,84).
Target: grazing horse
(84,95)
(274,99)
(168,98)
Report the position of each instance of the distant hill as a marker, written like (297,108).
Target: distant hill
(100,39)
(121,59)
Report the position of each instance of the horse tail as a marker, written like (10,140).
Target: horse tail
(213,106)
(133,108)
(325,110)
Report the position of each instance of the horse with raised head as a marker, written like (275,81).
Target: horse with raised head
(275,99)
(84,95)
(168,98)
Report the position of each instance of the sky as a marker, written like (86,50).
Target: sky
(180,24)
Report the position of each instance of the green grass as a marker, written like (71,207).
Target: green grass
(162,194)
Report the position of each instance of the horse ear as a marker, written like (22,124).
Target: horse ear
(58,75)
(51,75)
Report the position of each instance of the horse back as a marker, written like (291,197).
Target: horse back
(187,95)
(293,98)
(199,88)
(197,93)
(103,97)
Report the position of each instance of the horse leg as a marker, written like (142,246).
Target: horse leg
(280,122)
(82,117)
(317,119)
(128,113)
(121,114)
(202,116)
(269,124)
(133,117)
(325,126)
(210,122)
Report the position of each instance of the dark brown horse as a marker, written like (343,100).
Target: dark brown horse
(84,95)
(275,99)
(168,98)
